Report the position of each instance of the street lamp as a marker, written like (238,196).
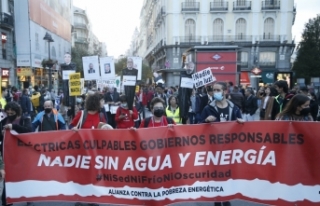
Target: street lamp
(49,39)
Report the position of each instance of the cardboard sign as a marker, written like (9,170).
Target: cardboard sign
(186,83)
(66,73)
(75,84)
(203,78)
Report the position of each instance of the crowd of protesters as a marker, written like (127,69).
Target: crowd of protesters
(38,109)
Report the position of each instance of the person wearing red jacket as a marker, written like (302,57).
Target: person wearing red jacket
(125,117)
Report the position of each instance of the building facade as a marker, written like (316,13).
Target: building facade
(33,20)
(81,28)
(83,35)
(7,57)
(260,29)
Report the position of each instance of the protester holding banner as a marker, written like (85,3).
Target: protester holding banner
(14,121)
(90,117)
(173,110)
(125,117)
(220,109)
(49,119)
(297,109)
(158,118)
(2,176)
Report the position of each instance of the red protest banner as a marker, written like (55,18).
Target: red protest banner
(267,162)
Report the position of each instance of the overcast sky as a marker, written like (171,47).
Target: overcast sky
(114,21)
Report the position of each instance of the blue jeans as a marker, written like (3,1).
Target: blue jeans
(192,118)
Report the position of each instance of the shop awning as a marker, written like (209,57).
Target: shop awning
(244,78)
(268,76)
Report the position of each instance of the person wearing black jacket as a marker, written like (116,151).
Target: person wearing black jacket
(25,103)
(250,105)
(314,107)
(282,99)
(112,98)
(13,121)
(206,99)
(160,93)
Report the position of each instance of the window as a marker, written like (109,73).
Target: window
(268,28)
(190,29)
(218,30)
(46,47)
(190,3)
(37,42)
(241,2)
(267,58)
(241,28)
(4,50)
(59,50)
(244,59)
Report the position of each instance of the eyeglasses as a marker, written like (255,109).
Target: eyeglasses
(217,90)
(155,108)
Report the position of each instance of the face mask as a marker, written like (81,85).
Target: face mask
(158,112)
(12,117)
(79,100)
(218,96)
(124,105)
(305,111)
(47,110)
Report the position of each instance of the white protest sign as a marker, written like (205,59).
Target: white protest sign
(129,80)
(203,78)
(113,109)
(111,83)
(65,74)
(186,83)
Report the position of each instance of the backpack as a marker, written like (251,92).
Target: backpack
(147,120)
(83,117)
(35,99)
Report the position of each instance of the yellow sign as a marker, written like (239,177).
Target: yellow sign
(24,72)
(75,84)
(137,88)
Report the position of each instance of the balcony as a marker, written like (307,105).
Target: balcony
(270,5)
(190,7)
(242,5)
(267,63)
(219,6)
(269,37)
(81,40)
(190,39)
(80,26)
(230,38)
(6,20)
(163,10)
